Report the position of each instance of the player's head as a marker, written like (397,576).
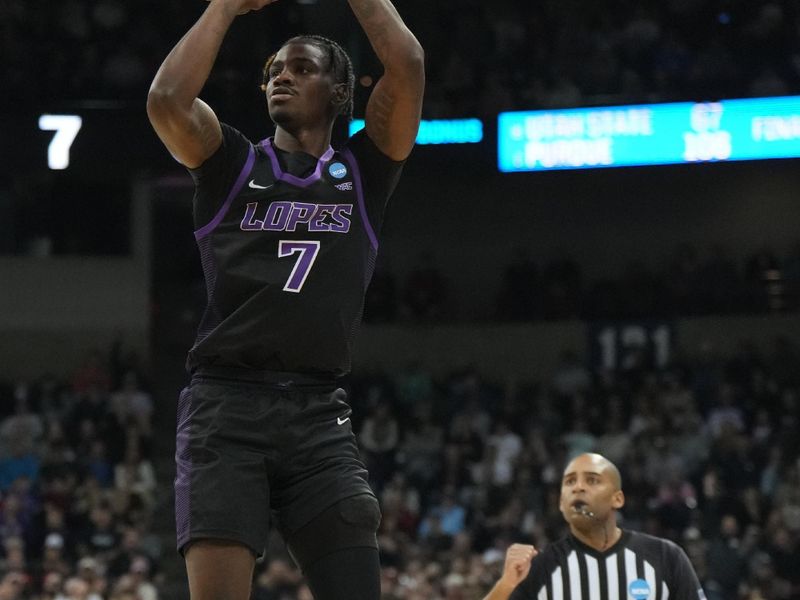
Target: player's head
(316,77)
(591,491)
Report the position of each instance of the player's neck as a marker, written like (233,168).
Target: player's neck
(601,536)
(311,141)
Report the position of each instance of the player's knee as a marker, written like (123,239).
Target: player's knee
(361,512)
(350,523)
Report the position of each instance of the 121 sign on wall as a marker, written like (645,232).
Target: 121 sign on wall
(631,345)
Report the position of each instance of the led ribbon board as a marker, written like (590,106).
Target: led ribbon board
(441,131)
(649,134)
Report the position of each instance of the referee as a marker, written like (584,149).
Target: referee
(597,560)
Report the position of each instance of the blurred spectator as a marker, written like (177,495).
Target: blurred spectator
(378,438)
(132,402)
(447,517)
(76,588)
(420,451)
(725,562)
(140,579)
(54,556)
(504,447)
(12,585)
(91,572)
(726,415)
(135,477)
(277,581)
(23,429)
(19,462)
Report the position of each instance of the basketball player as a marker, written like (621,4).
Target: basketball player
(288,234)
(597,560)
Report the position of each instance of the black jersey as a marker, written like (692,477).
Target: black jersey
(288,245)
(637,567)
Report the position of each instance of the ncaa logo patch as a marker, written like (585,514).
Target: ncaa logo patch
(344,187)
(337,170)
(639,589)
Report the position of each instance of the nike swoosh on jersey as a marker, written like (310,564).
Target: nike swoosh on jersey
(342,421)
(255,186)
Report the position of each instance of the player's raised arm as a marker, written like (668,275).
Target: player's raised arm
(395,106)
(515,570)
(187,125)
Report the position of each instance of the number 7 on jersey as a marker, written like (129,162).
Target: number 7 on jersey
(308,251)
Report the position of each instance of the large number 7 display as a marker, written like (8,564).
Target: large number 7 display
(308,251)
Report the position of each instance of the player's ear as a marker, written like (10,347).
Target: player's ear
(618,500)
(340,95)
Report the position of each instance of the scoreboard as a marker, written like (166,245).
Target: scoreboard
(649,134)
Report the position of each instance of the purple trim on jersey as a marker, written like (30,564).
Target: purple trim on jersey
(248,165)
(362,208)
(288,177)
(183,475)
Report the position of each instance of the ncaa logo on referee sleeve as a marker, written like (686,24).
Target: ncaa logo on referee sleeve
(639,589)
(338,170)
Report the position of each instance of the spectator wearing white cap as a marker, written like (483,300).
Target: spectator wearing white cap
(92,572)
(53,555)
(140,573)
(76,588)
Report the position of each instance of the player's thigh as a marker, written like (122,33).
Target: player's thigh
(221,485)
(219,570)
(320,465)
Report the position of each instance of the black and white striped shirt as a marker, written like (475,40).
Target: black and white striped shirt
(637,567)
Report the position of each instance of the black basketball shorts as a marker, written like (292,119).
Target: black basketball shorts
(249,453)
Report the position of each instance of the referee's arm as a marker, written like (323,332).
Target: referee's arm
(515,570)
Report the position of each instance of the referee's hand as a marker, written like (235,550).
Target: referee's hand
(516,568)
(518,563)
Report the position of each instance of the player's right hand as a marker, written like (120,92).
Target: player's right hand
(245,6)
(518,563)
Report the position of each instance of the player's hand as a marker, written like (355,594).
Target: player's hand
(518,563)
(245,6)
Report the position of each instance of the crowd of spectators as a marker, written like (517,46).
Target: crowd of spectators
(77,486)
(507,54)
(463,466)
(708,450)
(688,283)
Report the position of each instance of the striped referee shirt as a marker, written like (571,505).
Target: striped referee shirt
(637,567)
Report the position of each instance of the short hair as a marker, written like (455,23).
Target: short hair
(339,64)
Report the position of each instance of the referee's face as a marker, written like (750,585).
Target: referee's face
(590,491)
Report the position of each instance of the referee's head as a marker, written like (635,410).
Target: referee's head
(591,492)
